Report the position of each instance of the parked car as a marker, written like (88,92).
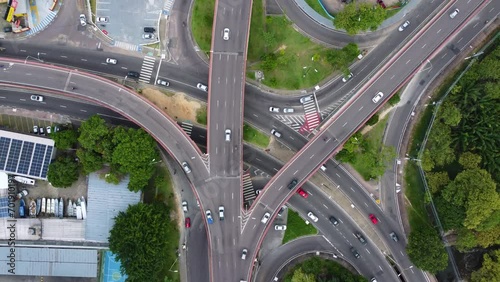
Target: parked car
(208,214)
(187,222)
(149,29)
(282,210)
(275,133)
(83,20)
(185,206)
(274,110)
(38,98)
(186,167)
(360,238)
(35,129)
(265,218)
(280,227)
(303,193)
(394,237)
(202,87)
(111,61)
(49,129)
(306,99)
(404,25)
(221,212)
(377,97)
(7,29)
(292,184)
(288,110)
(102,19)
(323,167)
(454,13)
(21,194)
(373,218)
(162,82)
(42,131)
(312,216)
(148,36)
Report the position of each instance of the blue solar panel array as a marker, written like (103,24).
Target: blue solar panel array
(24,157)
(4,207)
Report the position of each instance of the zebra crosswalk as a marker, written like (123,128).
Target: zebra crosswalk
(248,191)
(43,24)
(168,7)
(148,65)
(187,127)
(311,115)
(126,46)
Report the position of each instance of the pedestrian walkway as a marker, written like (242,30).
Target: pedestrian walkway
(248,191)
(43,24)
(311,115)
(293,121)
(127,46)
(168,7)
(187,127)
(148,65)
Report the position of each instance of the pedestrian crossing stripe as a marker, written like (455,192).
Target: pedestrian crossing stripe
(43,24)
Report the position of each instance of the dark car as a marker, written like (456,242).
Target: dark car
(394,237)
(293,184)
(149,29)
(133,74)
(334,221)
(355,253)
(7,29)
(282,210)
(360,238)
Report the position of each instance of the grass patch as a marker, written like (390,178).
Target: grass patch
(201,115)
(316,6)
(391,12)
(254,136)
(364,163)
(93,8)
(256,40)
(296,227)
(201,23)
(285,56)
(415,193)
(323,269)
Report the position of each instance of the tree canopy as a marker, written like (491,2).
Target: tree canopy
(63,172)
(490,269)
(426,250)
(139,238)
(356,17)
(65,139)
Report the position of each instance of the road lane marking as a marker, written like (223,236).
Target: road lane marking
(337,175)
(295,172)
(475,25)
(22,50)
(438,31)
(392,76)
(380,268)
(275,169)
(311,156)
(368,251)
(255,115)
(280,188)
(344,124)
(408,61)
(292,138)
(366,204)
(62,106)
(424,45)
(84,60)
(83,111)
(62,56)
(352,189)
(460,39)
(444,55)
(258,159)
(361,108)
(325,206)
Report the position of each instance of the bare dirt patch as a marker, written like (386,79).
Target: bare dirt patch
(178,105)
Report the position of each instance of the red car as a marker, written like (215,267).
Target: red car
(302,193)
(188,222)
(373,218)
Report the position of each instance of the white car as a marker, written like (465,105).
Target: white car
(162,82)
(265,218)
(221,212)
(148,36)
(202,87)
(244,254)
(185,206)
(102,19)
(275,133)
(346,78)
(306,99)
(280,227)
(377,97)
(83,20)
(49,129)
(228,135)
(38,98)
(225,34)
(288,110)
(454,13)
(274,110)
(111,61)
(312,216)
(404,25)
(186,168)
(35,129)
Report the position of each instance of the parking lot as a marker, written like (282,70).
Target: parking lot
(127,19)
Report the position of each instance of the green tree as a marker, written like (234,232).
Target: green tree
(90,160)
(359,17)
(351,50)
(374,119)
(490,222)
(427,161)
(488,237)
(139,240)
(449,114)
(63,172)
(490,269)
(476,191)
(394,100)
(450,215)
(300,276)
(469,160)
(93,132)
(426,250)
(466,240)
(65,139)
(437,180)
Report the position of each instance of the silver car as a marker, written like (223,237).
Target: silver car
(274,110)
(162,82)
(312,216)
(186,167)
(225,34)
(202,87)
(454,13)
(306,99)
(38,98)
(83,20)
(404,25)
(111,61)
(265,218)
(377,97)
(148,36)
(275,133)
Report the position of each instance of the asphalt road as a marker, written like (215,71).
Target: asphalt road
(355,114)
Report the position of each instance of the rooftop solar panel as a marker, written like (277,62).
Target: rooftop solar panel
(13,157)
(4,149)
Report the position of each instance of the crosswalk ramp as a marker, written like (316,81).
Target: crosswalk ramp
(248,191)
(187,127)
(148,65)
(311,115)
(168,7)
(126,46)
(43,24)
